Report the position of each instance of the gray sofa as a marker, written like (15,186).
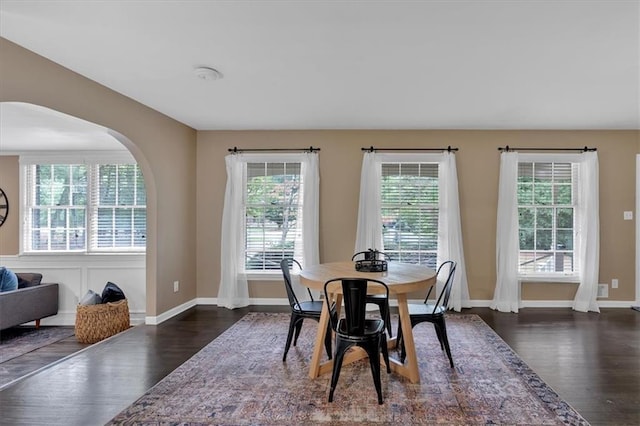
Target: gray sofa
(31,301)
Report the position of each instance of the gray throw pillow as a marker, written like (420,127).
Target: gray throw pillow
(91,298)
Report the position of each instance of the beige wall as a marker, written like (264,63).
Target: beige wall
(9,182)
(478,168)
(164,148)
(170,153)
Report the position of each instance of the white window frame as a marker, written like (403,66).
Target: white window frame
(233,291)
(429,160)
(556,277)
(89,159)
(297,249)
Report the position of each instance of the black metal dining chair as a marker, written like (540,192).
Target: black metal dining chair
(355,329)
(428,311)
(377,299)
(311,309)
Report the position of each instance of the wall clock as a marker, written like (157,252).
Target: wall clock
(4,206)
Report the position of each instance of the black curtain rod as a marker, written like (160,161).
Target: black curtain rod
(509,149)
(372,149)
(235,149)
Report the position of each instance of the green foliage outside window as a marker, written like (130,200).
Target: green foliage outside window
(272,203)
(60,200)
(409,199)
(546,216)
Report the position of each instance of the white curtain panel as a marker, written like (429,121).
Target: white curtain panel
(234,290)
(369,229)
(311,209)
(450,231)
(588,250)
(311,221)
(506,295)
(369,233)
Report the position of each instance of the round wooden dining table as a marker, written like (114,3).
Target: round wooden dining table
(401,278)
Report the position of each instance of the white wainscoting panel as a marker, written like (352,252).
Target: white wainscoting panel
(76,274)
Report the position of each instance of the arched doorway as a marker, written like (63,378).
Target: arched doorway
(32,133)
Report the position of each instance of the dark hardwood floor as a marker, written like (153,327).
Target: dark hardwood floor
(591,360)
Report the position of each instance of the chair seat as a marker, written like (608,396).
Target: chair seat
(309,307)
(371,327)
(355,329)
(383,305)
(422,309)
(377,297)
(432,312)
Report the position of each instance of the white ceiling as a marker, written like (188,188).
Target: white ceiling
(564,64)
(26,127)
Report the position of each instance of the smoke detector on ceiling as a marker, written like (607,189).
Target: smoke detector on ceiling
(207,73)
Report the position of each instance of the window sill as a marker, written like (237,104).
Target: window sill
(264,276)
(549,278)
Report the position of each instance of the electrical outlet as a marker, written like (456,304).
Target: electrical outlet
(603,291)
(614,283)
(176,286)
(628,215)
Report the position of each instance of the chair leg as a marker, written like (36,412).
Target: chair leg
(292,325)
(400,342)
(443,332)
(328,337)
(374,360)
(298,328)
(384,313)
(385,352)
(341,348)
(439,334)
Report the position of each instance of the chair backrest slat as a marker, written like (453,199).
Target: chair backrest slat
(443,299)
(354,293)
(285,266)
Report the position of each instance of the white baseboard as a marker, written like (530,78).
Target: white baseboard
(569,303)
(170,313)
(137,317)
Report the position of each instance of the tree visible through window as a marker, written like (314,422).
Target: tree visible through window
(546,204)
(410,208)
(273,213)
(79,207)
(120,209)
(59,208)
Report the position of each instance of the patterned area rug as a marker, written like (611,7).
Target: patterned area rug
(240,379)
(17,341)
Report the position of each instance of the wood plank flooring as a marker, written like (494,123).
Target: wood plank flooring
(591,360)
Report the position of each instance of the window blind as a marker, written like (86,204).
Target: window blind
(56,207)
(118,208)
(546,210)
(83,207)
(273,213)
(409,208)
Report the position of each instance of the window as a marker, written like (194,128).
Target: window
(273,214)
(84,208)
(119,207)
(546,217)
(410,209)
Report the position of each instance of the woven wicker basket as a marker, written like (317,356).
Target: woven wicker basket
(97,322)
